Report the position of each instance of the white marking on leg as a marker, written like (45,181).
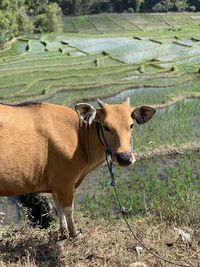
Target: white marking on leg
(61,215)
(68,211)
(133,158)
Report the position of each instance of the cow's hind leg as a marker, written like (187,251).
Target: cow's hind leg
(66,209)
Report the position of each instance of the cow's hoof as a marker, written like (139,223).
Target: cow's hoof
(62,236)
(76,235)
(59,236)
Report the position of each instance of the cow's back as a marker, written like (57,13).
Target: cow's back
(22,149)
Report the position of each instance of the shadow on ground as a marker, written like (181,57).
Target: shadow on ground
(42,250)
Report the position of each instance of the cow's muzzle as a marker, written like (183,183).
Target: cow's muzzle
(125,158)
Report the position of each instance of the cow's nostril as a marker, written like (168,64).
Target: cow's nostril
(124,158)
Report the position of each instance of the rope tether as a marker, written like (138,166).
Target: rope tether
(108,154)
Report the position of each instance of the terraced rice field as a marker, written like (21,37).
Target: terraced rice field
(151,58)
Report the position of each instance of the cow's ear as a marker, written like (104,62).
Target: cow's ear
(143,114)
(86,112)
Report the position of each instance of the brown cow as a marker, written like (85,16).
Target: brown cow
(51,148)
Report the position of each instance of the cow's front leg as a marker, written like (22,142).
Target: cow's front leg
(61,215)
(66,209)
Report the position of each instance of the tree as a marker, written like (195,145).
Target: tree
(50,21)
(13,20)
(138,4)
(53,18)
(192,8)
(36,7)
(77,7)
(4,4)
(65,5)
(3,38)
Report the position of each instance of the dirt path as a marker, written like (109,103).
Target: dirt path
(168,151)
(175,99)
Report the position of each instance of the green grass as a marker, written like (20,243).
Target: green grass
(175,125)
(166,187)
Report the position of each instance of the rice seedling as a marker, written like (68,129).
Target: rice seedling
(174,68)
(43,43)
(156,41)
(166,188)
(60,49)
(28,46)
(141,69)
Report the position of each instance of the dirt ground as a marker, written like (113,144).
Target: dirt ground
(103,243)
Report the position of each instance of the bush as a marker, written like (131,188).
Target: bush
(180,5)
(40,212)
(40,23)
(192,8)
(130,10)
(159,8)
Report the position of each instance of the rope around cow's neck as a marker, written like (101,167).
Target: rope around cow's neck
(123,211)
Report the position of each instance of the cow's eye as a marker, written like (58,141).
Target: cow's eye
(106,128)
(131,126)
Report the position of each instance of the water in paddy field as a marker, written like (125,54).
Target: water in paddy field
(145,95)
(100,44)
(132,50)
(138,96)
(129,50)
(36,46)
(17,48)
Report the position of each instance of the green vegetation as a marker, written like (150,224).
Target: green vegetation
(178,124)
(24,17)
(165,187)
(30,16)
(78,7)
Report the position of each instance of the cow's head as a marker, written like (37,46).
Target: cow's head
(116,122)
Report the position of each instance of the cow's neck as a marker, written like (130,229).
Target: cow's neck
(94,149)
